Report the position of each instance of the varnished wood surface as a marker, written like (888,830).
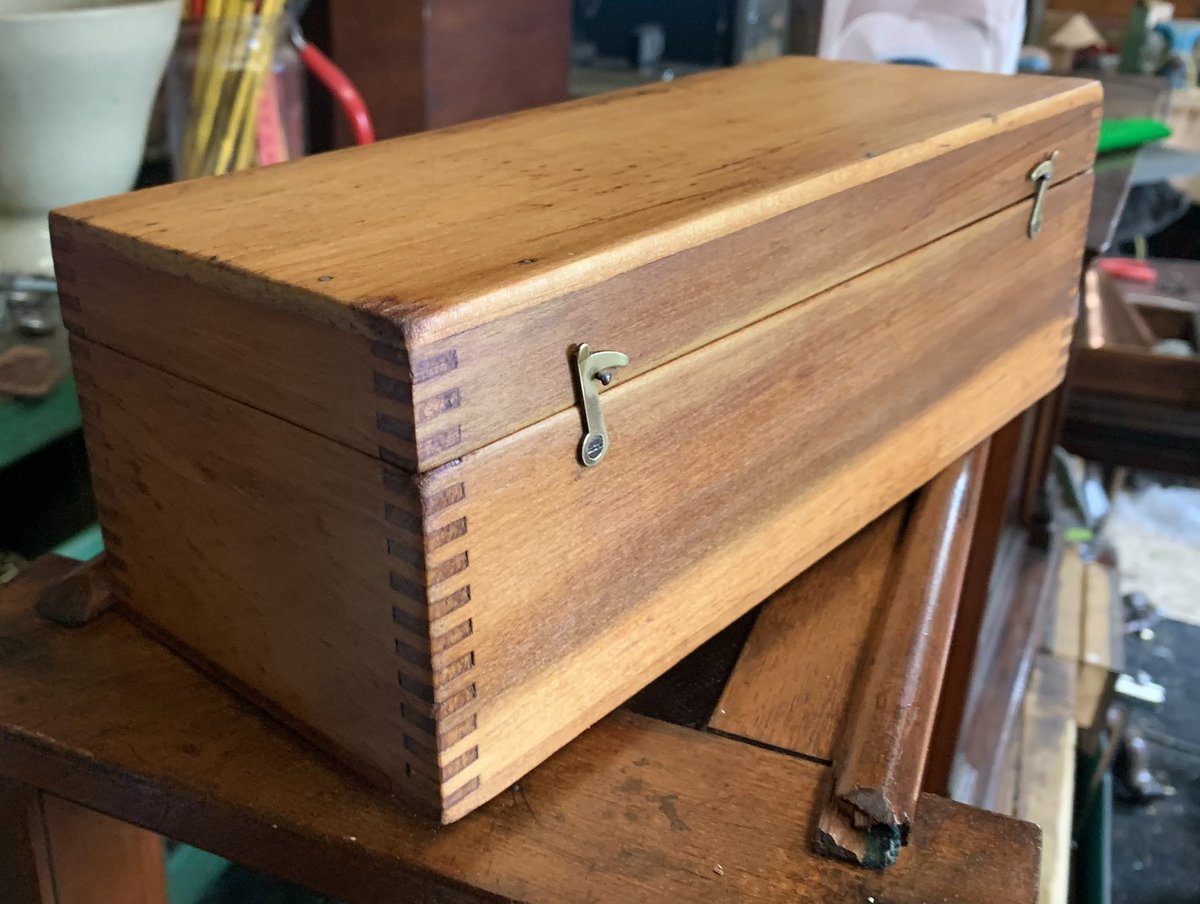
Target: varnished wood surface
(652,222)
(880,758)
(452,633)
(634,811)
(793,683)
(999,497)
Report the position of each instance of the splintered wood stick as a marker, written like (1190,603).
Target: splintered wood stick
(879,763)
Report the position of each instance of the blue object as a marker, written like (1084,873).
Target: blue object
(84,546)
(1181,34)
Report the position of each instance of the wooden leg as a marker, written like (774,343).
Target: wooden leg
(18,866)
(56,852)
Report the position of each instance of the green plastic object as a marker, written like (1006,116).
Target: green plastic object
(191,873)
(84,546)
(1125,134)
(26,427)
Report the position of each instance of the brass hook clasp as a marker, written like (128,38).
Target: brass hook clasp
(591,367)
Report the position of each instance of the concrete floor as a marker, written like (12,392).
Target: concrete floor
(1156,846)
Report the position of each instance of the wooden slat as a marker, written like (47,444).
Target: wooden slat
(56,852)
(1100,659)
(881,754)
(1063,634)
(1046,788)
(994,710)
(633,811)
(86,857)
(999,497)
(792,684)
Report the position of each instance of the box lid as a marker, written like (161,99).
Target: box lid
(652,221)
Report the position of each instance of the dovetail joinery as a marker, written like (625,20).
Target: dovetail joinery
(416,405)
(428,575)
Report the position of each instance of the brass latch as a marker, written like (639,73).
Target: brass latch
(589,367)
(1040,176)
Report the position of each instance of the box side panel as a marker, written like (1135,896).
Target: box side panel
(738,466)
(499,374)
(269,554)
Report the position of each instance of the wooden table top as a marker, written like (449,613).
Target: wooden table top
(634,810)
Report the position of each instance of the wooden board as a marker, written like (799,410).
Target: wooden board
(85,857)
(1126,372)
(652,222)
(1064,629)
(1046,788)
(315,578)
(1101,653)
(634,811)
(793,682)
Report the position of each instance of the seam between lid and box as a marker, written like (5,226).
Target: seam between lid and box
(416,405)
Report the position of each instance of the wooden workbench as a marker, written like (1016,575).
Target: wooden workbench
(637,809)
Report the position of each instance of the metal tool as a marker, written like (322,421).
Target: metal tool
(591,367)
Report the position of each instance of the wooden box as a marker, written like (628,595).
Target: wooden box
(332,407)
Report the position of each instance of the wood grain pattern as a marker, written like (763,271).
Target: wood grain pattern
(1064,632)
(328,556)
(634,811)
(792,685)
(707,205)
(1046,791)
(1101,652)
(881,754)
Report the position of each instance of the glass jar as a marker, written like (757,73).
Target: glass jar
(234,92)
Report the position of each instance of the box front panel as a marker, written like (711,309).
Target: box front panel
(734,468)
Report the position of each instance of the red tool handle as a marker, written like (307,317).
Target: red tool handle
(339,85)
(1130,269)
